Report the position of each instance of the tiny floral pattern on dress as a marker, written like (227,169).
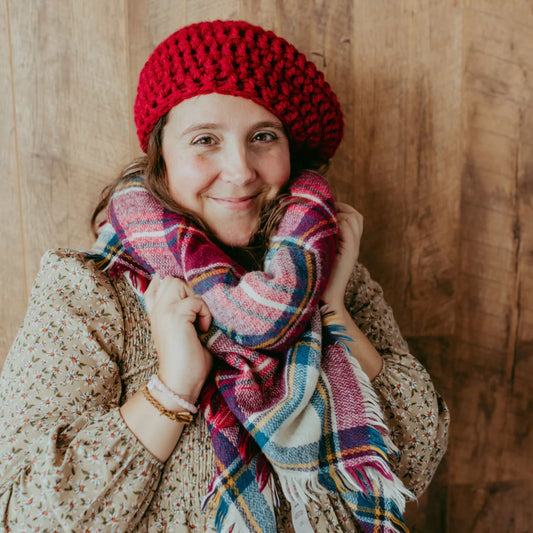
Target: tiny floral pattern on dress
(69,462)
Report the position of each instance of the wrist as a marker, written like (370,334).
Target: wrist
(165,400)
(336,306)
(156,385)
(182,384)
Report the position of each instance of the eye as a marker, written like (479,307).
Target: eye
(205,140)
(264,136)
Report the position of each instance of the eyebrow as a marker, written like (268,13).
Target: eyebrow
(212,125)
(197,127)
(269,124)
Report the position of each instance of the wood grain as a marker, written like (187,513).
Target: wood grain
(490,461)
(407,154)
(69,72)
(437,154)
(13,295)
(504,506)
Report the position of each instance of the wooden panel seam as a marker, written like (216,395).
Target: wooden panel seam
(17,160)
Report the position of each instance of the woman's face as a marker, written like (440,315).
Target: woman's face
(225,156)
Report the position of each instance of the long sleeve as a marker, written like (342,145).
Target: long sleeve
(67,459)
(416,415)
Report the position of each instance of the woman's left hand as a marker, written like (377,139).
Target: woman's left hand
(350,223)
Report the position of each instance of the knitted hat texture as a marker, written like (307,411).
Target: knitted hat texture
(239,59)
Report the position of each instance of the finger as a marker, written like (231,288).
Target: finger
(348,224)
(354,219)
(173,289)
(357,223)
(196,310)
(204,315)
(347,212)
(150,294)
(350,232)
(343,207)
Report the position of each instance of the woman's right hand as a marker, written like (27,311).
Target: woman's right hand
(184,363)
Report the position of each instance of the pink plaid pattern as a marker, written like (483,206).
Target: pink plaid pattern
(286,395)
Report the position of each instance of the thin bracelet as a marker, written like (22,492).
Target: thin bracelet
(156,383)
(184,417)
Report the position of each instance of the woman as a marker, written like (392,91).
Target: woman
(99,390)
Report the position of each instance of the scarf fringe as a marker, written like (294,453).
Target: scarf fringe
(337,333)
(365,480)
(374,477)
(273,322)
(371,404)
(382,472)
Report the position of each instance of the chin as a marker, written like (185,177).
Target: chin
(234,231)
(235,237)
(235,241)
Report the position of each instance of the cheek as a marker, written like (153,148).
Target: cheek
(277,170)
(186,177)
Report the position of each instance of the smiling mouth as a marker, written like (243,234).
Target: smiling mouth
(239,204)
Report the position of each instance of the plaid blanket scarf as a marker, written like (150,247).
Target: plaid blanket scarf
(286,395)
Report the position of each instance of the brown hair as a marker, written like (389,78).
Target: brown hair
(152,167)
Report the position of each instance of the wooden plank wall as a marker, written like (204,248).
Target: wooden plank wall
(491,466)
(65,120)
(438,155)
(12,275)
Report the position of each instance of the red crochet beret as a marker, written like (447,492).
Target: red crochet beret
(239,59)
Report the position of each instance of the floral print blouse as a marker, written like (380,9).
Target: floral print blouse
(68,462)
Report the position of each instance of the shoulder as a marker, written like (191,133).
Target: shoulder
(57,258)
(69,285)
(63,268)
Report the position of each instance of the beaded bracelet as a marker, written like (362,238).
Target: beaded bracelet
(184,417)
(156,383)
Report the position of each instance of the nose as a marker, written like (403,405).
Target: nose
(237,165)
